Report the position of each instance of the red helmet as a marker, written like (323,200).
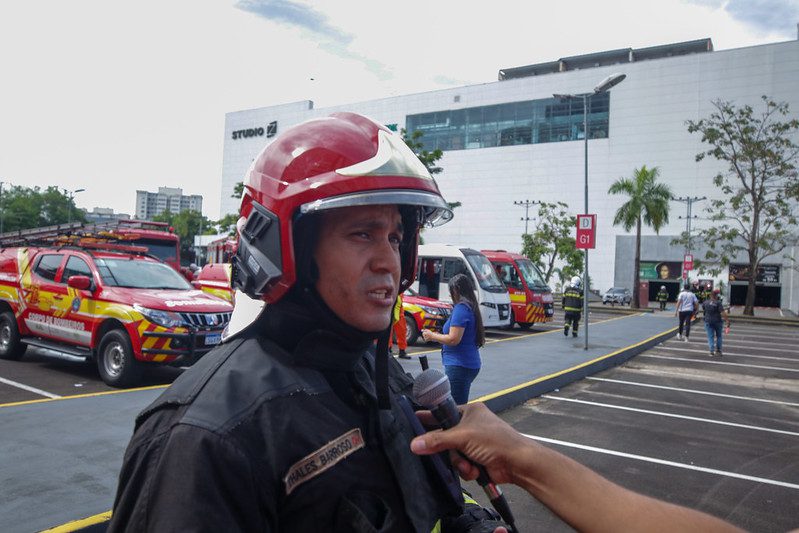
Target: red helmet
(339,161)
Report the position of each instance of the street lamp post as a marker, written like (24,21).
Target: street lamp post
(2,207)
(71,195)
(603,86)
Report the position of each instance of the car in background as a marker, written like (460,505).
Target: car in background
(617,295)
(423,313)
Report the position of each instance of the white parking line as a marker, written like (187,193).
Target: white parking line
(712,362)
(726,353)
(737,344)
(670,415)
(692,391)
(28,388)
(664,462)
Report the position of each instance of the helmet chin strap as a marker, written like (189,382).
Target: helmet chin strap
(381,367)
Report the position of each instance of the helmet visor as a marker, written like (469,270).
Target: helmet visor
(434,210)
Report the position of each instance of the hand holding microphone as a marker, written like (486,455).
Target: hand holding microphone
(432,390)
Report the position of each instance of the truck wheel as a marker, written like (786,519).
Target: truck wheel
(525,325)
(412,330)
(116,363)
(10,345)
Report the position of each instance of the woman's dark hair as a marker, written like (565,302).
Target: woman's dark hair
(461,290)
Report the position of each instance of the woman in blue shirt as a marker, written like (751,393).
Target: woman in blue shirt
(460,338)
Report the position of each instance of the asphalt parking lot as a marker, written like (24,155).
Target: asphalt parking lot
(718,435)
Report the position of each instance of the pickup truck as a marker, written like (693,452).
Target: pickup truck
(113,305)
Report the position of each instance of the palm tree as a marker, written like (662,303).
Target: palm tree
(648,202)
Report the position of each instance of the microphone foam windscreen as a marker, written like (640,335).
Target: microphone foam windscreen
(430,388)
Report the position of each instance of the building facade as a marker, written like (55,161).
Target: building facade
(172,199)
(104,214)
(512,140)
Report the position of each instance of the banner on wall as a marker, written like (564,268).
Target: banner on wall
(665,270)
(765,273)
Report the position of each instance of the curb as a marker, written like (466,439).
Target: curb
(503,400)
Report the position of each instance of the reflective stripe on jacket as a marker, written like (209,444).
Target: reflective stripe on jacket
(573,299)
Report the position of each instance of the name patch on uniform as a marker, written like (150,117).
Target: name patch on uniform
(323,459)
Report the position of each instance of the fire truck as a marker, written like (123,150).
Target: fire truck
(89,299)
(530,296)
(157,237)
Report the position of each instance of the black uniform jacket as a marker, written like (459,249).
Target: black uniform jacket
(278,430)
(572,299)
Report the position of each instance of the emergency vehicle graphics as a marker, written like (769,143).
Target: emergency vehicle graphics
(530,297)
(63,299)
(214,278)
(423,313)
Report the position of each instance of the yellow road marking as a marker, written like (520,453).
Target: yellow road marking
(88,395)
(80,524)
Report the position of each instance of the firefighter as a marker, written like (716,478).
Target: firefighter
(572,305)
(400,330)
(295,423)
(663,297)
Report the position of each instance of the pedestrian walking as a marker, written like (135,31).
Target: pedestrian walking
(685,309)
(715,319)
(461,337)
(663,297)
(572,305)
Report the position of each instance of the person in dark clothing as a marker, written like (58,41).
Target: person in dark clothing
(297,423)
(715,317)
(573,306)
(663,297)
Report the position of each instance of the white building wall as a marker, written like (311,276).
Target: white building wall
(647,127)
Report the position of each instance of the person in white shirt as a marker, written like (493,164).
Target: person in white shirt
(687,304)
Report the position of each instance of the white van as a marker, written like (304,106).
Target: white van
(438,263)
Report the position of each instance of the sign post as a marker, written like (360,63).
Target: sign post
(586,232)
(586,238)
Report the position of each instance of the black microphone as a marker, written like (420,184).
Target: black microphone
(432,390)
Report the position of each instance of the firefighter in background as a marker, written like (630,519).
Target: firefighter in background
(707,290)
(399,330)
(573,305)
(663,297)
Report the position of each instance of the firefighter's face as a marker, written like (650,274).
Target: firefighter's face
(359,264)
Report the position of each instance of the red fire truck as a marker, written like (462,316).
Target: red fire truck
(530,297)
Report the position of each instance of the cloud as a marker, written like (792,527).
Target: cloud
(766,16)
(769,16)
(295,14)
(328,37)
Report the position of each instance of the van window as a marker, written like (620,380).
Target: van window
(453,267)
(533,276)
(47,267)
(484,271)
(508,275)
(429,276)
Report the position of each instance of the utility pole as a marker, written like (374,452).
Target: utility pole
(689,201)
(526,204)
(2,206)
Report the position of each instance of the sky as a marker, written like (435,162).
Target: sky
(115,97)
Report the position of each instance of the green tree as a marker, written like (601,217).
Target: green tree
(648,203)
(756,215)
(429,159)
(238,190)
(26,207)
(227,224)
(552,242)
(187,225)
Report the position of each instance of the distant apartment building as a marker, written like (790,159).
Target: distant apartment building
(150,204)
(104,214)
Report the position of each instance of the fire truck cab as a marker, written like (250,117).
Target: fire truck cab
(530,297)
